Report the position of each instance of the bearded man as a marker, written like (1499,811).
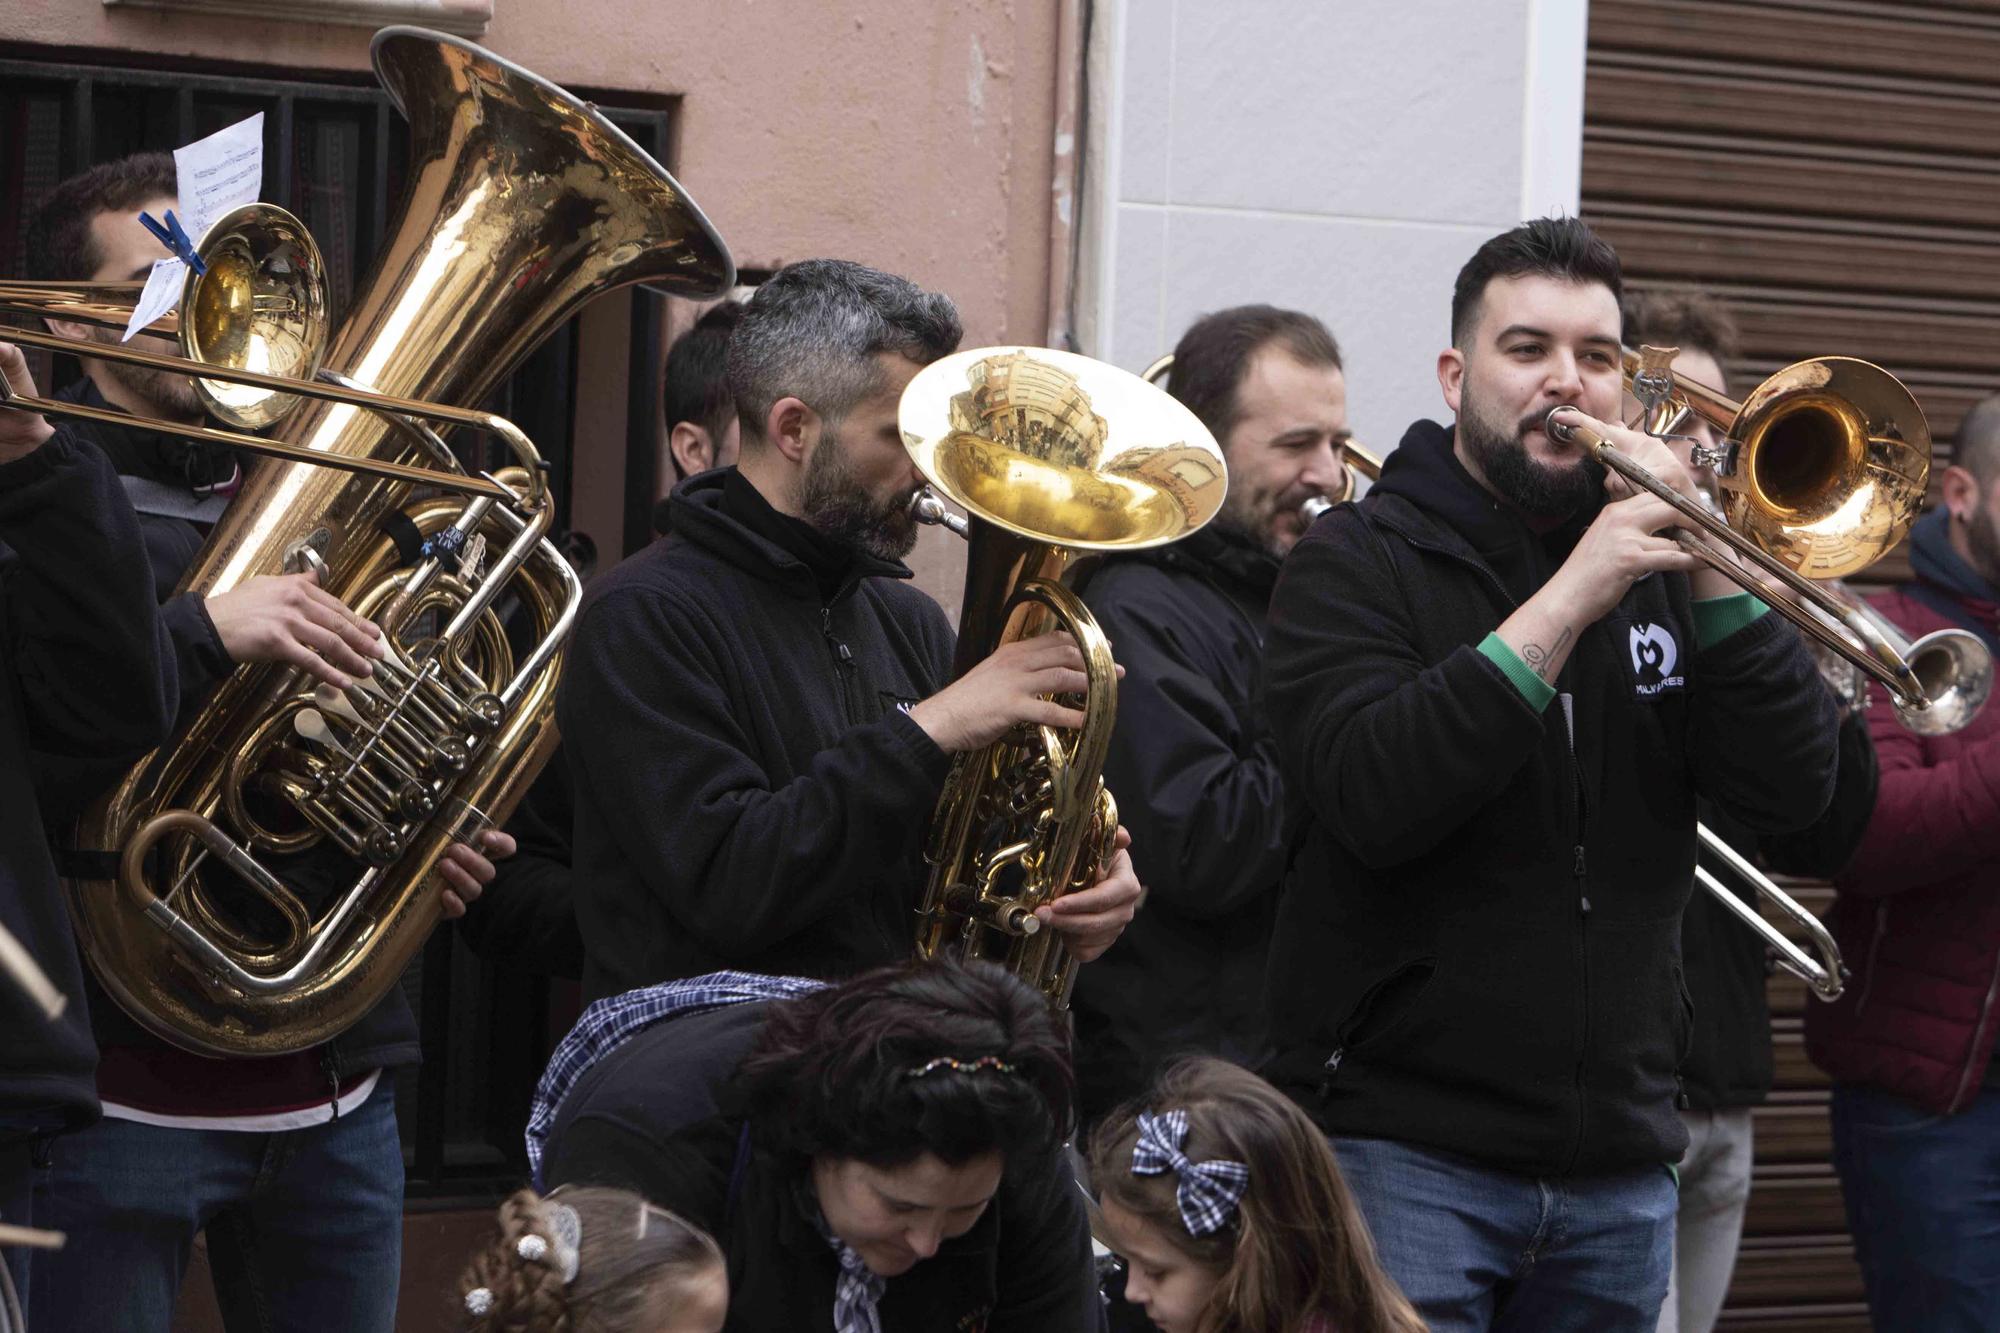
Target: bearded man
(1193,761)
(757,713)
(1498,688)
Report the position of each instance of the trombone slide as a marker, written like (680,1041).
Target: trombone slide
(1825,975)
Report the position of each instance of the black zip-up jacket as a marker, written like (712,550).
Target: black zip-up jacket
(750,792)
(386,1036)
(1195,769)
(655,1116)
(1478,945)
(85,669)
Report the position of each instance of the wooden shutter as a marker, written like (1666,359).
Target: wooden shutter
(1831,169)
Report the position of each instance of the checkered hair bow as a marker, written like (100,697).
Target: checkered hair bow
(1209,1192)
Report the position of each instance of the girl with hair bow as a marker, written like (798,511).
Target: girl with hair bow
(1228,1209)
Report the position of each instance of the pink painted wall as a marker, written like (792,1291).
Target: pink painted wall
(914,137)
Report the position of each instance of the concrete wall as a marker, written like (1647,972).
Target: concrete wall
(1343,158)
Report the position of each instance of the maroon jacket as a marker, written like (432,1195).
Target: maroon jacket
(1918,912)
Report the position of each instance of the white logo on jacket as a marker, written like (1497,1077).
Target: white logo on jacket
(1654,656)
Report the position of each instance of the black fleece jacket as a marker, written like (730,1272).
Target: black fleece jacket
(750,792)
(387,1035)
(1478,946)
(656,1116)
(86,671)
(1195,769)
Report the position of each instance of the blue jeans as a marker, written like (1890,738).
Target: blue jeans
(1475,1248)
(305,1226)
(1923,1202)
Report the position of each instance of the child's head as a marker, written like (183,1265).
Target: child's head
(593,1260)
(1228,1207)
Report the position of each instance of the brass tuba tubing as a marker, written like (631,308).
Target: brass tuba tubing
(1830,621)
(1826,975)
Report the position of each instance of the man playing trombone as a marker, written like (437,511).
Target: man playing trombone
(1502,687)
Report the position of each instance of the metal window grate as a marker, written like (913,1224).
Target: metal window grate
(334,154)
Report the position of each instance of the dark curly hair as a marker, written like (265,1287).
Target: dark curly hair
(59,239)
(833,1073)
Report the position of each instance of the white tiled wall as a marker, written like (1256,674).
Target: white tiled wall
(1340,156)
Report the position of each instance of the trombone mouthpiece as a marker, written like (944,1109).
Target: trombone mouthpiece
(1313,507)
(925,507)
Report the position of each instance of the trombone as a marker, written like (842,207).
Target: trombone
(1356,456)
(1825,975)
(260,302)
(1822,469)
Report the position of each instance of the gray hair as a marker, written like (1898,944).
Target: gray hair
(811,332)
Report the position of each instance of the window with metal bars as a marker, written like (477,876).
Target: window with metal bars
(334,154)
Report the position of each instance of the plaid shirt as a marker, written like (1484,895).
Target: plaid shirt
(616,1019)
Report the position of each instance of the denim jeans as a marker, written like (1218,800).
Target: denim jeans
(1715,1194)
(1475,1248)
(1923,1202)
(305,1226)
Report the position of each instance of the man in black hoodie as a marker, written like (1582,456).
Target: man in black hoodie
(1502,689)
(85,669)
(1192,761)
(291,1165)
(757,712)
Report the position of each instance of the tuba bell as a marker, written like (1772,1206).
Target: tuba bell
(1052,454)
(523,204)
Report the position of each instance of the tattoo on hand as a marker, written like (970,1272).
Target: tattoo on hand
(1541,660)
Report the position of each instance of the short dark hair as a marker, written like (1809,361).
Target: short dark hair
(60,247)
(812,330)
(1561,248)
(1691,320)
(835,1073)
(695,387)
(1212,355)
(1976,445)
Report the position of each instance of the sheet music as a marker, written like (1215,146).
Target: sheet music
(216,174)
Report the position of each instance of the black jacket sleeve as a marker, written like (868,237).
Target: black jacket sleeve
(82,632)
(741,862)
(527,916)
(1048,1280)
(1391,752)
(1763,729)
(200,660)
(1203,801)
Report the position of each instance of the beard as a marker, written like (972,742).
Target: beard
(1258,513)
(169,395)
(1537,489)
(841,509)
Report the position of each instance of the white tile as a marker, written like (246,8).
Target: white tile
(1135,333)
(1145,99)
(1383,288)
(1369,108)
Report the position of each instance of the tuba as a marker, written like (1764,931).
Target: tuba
(523,204)
(1052,454)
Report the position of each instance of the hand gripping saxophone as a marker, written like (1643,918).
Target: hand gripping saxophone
(1051,454)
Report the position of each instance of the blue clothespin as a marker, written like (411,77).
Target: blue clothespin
(175,239)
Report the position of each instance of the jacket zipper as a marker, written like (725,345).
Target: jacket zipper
(329,1063)
(1982,1040)
(1874,947)
(843,661)
(1581,872)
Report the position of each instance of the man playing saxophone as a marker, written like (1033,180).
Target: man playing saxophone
(1500,688)
(756,710)
(1193,760)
